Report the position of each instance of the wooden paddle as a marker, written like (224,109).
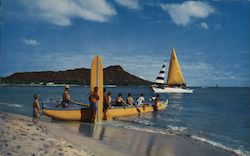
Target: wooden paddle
(80,104)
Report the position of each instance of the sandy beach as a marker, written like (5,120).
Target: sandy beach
(20,136)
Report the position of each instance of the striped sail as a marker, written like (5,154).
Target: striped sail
(161,76)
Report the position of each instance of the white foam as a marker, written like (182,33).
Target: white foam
(145,130)
(176,128)
(216,144)
(144,122)
(11,104)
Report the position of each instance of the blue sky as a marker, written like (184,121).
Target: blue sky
(211,38)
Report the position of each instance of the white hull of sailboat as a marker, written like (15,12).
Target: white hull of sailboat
(171,90)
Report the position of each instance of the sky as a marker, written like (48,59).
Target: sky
(211,38)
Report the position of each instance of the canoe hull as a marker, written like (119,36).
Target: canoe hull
(85,114)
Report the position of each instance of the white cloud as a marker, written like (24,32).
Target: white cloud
(132,4)
(61,12)
(31,42)
(204,25)
(182,14)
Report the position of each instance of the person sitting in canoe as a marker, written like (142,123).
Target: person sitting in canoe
(140,100)
(93,98)
(66,97)
(130,100)
(119,101)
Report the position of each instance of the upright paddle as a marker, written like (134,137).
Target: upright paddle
(97,81)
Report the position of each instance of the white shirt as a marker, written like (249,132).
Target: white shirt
(140,100)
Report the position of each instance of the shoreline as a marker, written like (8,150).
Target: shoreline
(66,138)
(20,136)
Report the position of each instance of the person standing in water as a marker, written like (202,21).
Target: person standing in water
(93,98)
(107,105)
(35,109)
(66,97)
(156,102)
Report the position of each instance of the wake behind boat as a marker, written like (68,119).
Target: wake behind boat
(175,82)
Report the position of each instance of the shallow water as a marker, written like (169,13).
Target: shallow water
(217,116)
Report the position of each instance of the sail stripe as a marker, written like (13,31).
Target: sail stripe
(161,76)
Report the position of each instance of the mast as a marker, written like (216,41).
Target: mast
(161,76)
(175,77)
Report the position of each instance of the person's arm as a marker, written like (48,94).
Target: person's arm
(124,102)
(68,96)
(109,102)
(36,105)
(97,97)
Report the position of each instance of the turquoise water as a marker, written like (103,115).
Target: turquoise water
(217,116)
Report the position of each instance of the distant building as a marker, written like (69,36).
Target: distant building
(50,84)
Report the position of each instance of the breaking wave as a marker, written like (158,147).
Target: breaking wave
(11,104)
(219,145)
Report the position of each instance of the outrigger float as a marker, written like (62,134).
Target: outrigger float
(84,114)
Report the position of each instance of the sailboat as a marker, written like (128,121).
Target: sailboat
(175,82)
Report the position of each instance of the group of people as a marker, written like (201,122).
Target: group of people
(93,99)
(119,101)
(129,101)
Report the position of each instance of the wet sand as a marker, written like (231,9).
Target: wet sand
(19,136)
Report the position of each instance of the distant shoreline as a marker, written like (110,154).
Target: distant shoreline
(112,86)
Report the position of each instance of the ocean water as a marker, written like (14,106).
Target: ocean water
(217,116)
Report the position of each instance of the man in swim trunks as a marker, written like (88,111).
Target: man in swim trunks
(93,98)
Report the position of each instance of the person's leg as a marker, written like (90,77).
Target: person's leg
(93,115)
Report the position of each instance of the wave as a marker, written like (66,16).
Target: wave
(171,130)
(146,130)
(175,130)
(216,144)
(11,104)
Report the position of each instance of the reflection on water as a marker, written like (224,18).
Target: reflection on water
(176,96)
(141,143)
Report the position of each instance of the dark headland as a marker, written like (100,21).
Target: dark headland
(113,75)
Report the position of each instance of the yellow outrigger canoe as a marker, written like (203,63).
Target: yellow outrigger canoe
(85,114)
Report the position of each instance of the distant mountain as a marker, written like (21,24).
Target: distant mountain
(113,75)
